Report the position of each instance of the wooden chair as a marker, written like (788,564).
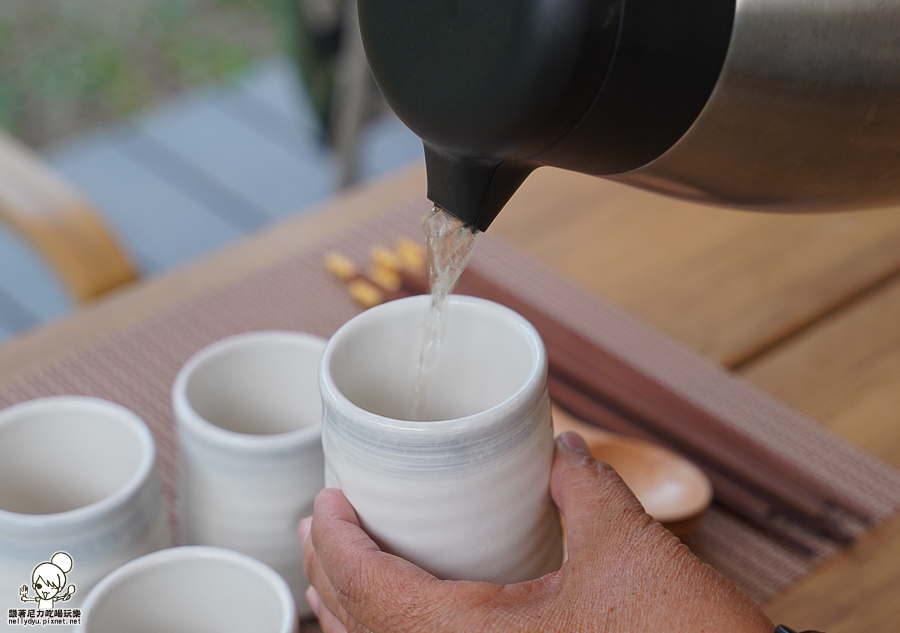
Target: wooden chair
(60,223)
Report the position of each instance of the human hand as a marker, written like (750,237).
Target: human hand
(624,572)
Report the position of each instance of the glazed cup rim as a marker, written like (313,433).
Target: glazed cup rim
(190,420)
(101,507)
(534,383)
(193,552)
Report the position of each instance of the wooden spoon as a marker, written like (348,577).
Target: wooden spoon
(672,489)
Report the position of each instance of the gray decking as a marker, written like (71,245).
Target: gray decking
(193,174)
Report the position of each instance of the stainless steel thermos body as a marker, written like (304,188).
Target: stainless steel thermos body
(770,104)
(805,113)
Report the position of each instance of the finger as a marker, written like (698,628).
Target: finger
(600,510)
(373,588)
(360,575)
(328,622)
(318,580)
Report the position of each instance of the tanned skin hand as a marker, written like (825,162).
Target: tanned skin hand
(625,573)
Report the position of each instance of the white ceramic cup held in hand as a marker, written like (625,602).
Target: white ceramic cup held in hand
(464,495)
(249,427)
(191,589)
(77,475)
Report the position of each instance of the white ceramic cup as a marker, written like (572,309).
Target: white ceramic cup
(77,475)
(249,427)
(466,494)
(191,590)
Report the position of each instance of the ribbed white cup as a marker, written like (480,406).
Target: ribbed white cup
(249,427)
(466,494)
(77,475)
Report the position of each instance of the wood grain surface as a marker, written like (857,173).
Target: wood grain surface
(729,283)
(845,373)
(805,306)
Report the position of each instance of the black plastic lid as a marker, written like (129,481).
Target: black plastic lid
(496,88)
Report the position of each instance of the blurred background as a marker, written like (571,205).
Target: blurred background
(186,124)
(67,66)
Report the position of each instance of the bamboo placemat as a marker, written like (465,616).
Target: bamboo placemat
(136,367)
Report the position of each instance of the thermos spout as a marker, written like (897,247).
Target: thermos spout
(471,189)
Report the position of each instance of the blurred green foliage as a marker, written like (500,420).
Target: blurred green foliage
(69,65)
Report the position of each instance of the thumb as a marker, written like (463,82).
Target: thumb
(632,566)
(601,512)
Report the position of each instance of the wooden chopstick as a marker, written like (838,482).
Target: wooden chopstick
(665,414)
(604,376)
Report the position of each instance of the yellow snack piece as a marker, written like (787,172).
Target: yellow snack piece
(411,253)
(340,266)
(384,276)
(382,256)
(364,293)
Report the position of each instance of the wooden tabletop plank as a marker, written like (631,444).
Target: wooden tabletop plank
(845,371)
(733,285)
(846,374)
(857,591)
(728,283)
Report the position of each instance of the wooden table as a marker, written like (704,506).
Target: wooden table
(807,307)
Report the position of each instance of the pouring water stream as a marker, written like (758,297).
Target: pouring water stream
(449,247)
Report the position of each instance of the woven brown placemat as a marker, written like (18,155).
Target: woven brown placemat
(136,367)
